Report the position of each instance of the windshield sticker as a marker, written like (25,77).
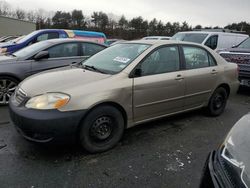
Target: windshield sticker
(122,59)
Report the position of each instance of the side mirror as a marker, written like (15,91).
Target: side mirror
(41,55)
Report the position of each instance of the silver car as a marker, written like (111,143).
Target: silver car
(39,57)
(120,87)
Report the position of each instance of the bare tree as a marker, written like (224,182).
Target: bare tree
(4,8)
(20,14)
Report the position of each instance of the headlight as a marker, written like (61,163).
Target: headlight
(228,146)
(48,101)
(3,50)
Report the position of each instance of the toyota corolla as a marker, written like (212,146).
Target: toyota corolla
(122,86)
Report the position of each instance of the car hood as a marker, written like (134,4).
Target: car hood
(3,44)
(238,145)
(238,50)
(60,80)
(6,59)
(7,45)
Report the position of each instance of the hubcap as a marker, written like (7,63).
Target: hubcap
(102,128)
(7,87)
(218,101)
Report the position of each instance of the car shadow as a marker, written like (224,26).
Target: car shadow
(244,91)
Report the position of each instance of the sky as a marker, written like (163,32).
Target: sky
(205,13)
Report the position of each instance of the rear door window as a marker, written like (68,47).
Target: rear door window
(63,50)
(195,57)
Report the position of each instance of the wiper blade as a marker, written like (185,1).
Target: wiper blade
(75,64)
(90,67)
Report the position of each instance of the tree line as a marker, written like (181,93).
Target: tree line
(99,21)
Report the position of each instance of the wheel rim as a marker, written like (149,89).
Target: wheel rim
(101,129)
(218,101)
(7,88)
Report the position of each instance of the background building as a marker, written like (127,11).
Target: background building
(12,26)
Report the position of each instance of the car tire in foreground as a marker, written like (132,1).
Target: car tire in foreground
(101,129)
(217,102)
(7,88)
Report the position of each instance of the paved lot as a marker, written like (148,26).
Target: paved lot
(165,153)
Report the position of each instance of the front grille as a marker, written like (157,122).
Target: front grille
(239,58)
(20,96)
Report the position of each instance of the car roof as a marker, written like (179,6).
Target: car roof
(214,32)
(65,40)
(157,37)
(160,42)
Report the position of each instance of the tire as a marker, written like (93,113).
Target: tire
(101,129)
(7,88)
(217,102)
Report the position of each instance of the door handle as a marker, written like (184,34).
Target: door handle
(214,71)
(179,77)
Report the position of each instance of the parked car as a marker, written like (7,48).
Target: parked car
(10,42)
(229,165)
(214,40)
(241,55)
(45,34)
(111,41)
(7,38)
(122,86)
(156,38)
(117,42)
(40,57)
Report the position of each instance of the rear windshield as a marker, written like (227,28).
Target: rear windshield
(190,37)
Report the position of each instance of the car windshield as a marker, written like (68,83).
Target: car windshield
(245,44)
(190,37)
(27,37)
(114,59)
(30,50)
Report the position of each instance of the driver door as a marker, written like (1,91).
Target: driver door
(60,55)
(159,90)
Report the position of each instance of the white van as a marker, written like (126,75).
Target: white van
(214,40)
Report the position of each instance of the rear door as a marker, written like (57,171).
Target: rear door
(159,89)
(201,75)
(59,56)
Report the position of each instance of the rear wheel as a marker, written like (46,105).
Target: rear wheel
(101,129)
(7,88)
(217,102)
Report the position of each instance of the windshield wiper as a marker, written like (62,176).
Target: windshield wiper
(90,67)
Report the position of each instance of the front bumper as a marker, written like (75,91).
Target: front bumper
(45,125)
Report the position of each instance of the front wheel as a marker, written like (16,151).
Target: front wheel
(7,88)
(101,129)
(217,102)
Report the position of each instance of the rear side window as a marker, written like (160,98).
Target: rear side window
(89,49)
(63,50)
(212,42)
(195,57)
(47,36)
